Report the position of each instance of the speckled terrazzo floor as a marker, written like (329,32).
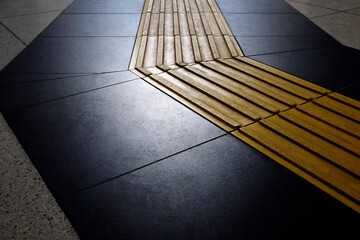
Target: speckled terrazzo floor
(27,209)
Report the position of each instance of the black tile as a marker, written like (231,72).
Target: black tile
(94,25)
(220,190)
(352,91)
(82,140)
(333,68)
(265,45)
(251,25)
(9,78)
(74,55)
(20,94)
(255,6)
(107,6)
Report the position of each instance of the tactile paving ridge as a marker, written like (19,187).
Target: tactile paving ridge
(186,49)
(180,32)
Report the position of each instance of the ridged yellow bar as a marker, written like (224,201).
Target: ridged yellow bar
(186,49)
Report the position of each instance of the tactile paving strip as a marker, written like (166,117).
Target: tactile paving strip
(180,32)
(232,92)
(319,140)
(186,49)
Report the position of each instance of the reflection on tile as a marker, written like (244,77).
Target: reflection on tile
(29,26)
(334,4)
(223,189)
(108,6)
(27,208)
(23,7)
(10,46)
(342,26)
(88,138)
(28,93)
(74,55)
(94,25)
(254,6)
(310,11)
(271,25)
(332,68)
(265,45)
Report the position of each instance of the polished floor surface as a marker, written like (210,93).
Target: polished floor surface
(126,161)
(187,50)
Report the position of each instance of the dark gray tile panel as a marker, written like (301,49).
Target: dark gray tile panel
(74,55)
(272,25)
(21,94)
(223,189)
(255,6)
(265,45)
(106,6)
(333,68)
(82,140)
(94,25)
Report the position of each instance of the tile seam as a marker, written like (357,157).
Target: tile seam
(274,83)
(142,167)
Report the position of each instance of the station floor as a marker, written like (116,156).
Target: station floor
(123,160)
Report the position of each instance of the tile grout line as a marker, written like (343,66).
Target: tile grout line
(296,50)
(160,73)
(314,5)
(44,36)
(118,36)
(325,15)
(94,13)
(303,35)
(284,36)
(168,84)
(336,10)
(283,111)
(30,14)
(345,87)
(354,14)
(53,209)
(1,23)
(353,8)
(72,75)
(71,95)
(263,13)
(41,80)
(345,11)
(144,166)
(149,163)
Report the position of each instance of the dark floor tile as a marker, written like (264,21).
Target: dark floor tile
(107,6)
(265,45)
(255,6)
(9,78)
(352,91)
(94,25)
(260,25)
(333,68)
(223,189)
(74,55)
(82,140)
(15,95)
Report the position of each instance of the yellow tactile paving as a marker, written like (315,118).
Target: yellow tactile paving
(195,29)
(186,49)
(322,143)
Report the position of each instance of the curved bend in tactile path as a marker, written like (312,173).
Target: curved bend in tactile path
(186,49)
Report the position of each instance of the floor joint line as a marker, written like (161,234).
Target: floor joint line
(144,166)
